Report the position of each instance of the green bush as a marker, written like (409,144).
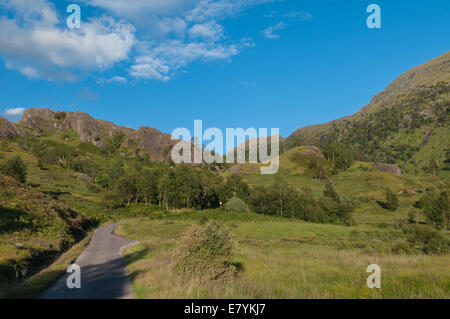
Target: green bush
(235,204)
(426,239)
(15,168)
(204,252)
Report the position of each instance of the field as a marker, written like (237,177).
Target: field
(280,258)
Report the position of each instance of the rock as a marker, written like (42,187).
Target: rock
(18,245)
(390,168)
(97,132)
(8,129)
(83,176)
(314,151)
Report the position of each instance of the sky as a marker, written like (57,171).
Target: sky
(230,63)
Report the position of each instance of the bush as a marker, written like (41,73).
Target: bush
(235,204)
(204,252)
(426,239)
(15,168)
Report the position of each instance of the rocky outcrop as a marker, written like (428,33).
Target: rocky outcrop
(390,168)
(8,129)
(98,132)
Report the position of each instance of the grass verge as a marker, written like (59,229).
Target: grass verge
(33,286)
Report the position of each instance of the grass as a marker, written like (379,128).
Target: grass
(36,284)
(282,258)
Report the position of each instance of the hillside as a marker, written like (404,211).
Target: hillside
(406,124)
(34,229)
(103,134)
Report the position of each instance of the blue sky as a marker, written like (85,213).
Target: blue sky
(231,63)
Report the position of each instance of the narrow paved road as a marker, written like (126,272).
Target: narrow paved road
(103,274)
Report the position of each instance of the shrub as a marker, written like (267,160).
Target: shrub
(426,239)
(15,168)
(391,200)
(235,204)
(204,252)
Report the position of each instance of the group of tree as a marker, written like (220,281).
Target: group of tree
(186,186)
(436,207)
(169,186)
(284,200)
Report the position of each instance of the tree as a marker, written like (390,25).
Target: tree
(331,193)
(126,189)
(443,205)
(318,170)
(391,200)
(434,167)
(108,177)
(436,208)
(392,203)
(15,168)
(237,187)
(147,187)
(260,199)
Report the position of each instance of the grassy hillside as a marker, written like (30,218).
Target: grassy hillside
(406,124)
(34,230)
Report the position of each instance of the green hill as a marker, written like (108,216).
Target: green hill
(34,230)
(406,124)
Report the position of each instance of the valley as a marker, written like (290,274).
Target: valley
(371,188)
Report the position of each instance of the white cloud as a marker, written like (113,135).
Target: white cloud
(15,111)
(162,61)
(270,32)
(206,31)
(117,79)
(38,48)
(154,38)
(221,9)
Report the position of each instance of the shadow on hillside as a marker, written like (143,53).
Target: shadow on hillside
(55,194)
(11,221)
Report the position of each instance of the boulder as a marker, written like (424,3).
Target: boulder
(390,168)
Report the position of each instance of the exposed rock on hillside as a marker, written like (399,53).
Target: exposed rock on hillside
(8,129)
(390,168)
(97,132)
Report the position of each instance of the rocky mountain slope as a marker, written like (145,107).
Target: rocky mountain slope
(41,122)
(408,123)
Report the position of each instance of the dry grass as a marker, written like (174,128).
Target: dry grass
(275,268)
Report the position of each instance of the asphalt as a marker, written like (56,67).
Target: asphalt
(103,273)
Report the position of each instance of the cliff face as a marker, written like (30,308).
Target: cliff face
(8,129)
(97,132)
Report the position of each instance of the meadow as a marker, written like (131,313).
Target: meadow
(282,258)
(276,257)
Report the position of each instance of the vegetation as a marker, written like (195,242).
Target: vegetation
(308,231)
(284,258)
(235,204)
(205,251)
(15,168)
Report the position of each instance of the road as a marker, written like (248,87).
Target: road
(103,274)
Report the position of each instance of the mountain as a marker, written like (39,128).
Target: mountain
(41,122)
(407,123)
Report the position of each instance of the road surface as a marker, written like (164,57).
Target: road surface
(103,274)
